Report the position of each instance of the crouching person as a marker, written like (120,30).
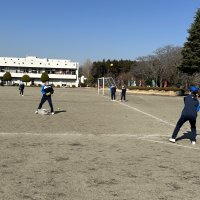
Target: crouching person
(47,91)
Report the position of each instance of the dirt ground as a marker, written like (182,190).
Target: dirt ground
(94,149)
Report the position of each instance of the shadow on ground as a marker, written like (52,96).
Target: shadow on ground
(60,111)
(185,136)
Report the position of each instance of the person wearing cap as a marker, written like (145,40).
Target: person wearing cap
(189,113)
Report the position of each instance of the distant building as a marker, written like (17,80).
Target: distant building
(61,72)
(83,79)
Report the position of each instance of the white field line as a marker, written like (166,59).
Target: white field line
(75,134)
(145,113)
(149,115)
(143,138)
(168,143)
(45,134)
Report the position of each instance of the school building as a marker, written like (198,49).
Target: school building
(61,72)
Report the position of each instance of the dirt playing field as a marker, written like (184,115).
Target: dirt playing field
(95,149)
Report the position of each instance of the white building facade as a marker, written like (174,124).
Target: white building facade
(61,72)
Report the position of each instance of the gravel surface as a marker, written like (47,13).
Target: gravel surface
(94,149)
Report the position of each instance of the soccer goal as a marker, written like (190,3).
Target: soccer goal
(103,83)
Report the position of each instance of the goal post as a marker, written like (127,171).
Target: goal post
(105,82)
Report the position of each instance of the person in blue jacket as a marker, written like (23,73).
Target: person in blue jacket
(47,91)
(113,91)
(189,113)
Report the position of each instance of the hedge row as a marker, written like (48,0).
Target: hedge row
(175,89)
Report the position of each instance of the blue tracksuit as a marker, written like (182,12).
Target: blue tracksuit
(189,113)
(45,98)
(43,92)
(113,91)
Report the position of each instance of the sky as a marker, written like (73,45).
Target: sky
(78,30)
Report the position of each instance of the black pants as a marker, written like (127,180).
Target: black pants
(112,95)
(123,96)
(46,98)
(180,123)
(21,91)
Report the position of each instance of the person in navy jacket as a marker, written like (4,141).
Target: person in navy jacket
(123,93)
(47,90)
(113,91)
(189,113)
(21,88)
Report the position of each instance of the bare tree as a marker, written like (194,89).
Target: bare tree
(86,68)
(147,68)
(169,58)
(162,65)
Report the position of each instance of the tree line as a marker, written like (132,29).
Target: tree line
(166,66)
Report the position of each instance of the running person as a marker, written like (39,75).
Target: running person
(189,113)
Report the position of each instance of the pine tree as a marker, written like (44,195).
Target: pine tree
(191,50)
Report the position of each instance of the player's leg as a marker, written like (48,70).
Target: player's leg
(114,96)
(43,99)
(179,124)
(193,129)
(50,104)
(124,96)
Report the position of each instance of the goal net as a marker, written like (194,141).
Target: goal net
(104,84)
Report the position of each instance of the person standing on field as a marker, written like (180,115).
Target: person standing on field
(189,113)
(113,91)
(21,88)
(47,91)
(123,93)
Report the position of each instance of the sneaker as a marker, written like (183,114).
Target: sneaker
(172,140)
(193,142)
(36,112)
(52,113)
